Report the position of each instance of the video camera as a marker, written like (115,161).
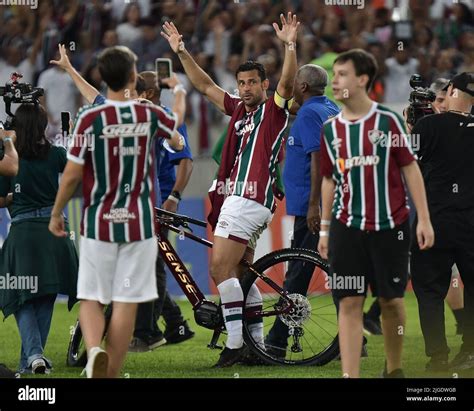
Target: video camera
(17,93)
(420,100)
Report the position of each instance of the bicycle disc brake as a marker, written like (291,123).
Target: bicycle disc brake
(295,318)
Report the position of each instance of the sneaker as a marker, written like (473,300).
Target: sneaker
(463,361)
(437,364)
(249,358)
(156,341)
(397,373)
(38,366)
(275,351)
(142,345)
(372,326)
(97,363)
(228,357)
(6,372)
(178,333)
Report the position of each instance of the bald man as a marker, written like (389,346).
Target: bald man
(303,182)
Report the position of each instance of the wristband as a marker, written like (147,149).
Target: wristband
(179,87)
(8,139)
(181,46)
(324,233)
(173,199)
(326,222)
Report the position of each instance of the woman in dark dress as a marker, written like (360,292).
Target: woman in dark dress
(42,264)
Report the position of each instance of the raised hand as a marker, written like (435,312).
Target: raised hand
(63,61)
(171,82)
(289,28)
(170,33)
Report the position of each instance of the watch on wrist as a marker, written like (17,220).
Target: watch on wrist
(176,194)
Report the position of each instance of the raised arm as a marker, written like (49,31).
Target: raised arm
(88,91)
(179,106)
(287,34)
(198,77)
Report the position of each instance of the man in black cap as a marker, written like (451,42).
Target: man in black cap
(446,152)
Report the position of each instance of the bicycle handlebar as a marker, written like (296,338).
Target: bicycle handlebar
(178,218)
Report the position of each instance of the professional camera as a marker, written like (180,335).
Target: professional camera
(17,93)
(420,100)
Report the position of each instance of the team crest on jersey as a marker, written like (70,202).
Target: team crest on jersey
(376,136)
(126,130)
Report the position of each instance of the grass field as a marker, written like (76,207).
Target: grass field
(193,359)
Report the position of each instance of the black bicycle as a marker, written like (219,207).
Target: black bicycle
(309,317)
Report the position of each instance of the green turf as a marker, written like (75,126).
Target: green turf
(193,359)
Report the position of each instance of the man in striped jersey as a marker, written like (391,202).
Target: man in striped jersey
(112,153)
(364,227)
(243,199)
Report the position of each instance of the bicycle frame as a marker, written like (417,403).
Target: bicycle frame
(185,280)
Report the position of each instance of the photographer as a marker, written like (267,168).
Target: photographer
(446,152)
(455,297)
(30,250)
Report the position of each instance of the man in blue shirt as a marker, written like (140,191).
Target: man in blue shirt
(302,180)
(171,182)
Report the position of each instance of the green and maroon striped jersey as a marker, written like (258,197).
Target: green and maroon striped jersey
(364,158)
(114,143)
(259,133)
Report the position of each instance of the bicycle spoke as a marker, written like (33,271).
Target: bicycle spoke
(321,327)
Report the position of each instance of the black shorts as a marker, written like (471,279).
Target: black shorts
(360,258)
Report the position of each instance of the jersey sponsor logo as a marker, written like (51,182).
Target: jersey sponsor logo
(344,164)
(126,130)
(119,216)
(248,128)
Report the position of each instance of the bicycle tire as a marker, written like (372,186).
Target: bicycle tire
(330,350)
(76,356)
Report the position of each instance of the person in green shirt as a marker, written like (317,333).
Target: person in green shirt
(35,265)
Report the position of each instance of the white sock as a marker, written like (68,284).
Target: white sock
(254,301)
(232,298)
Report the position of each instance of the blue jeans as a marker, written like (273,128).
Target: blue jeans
(34,320)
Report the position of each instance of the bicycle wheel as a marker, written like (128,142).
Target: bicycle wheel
(307,335)
(77,352)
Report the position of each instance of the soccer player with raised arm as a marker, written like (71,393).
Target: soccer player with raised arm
(243,196)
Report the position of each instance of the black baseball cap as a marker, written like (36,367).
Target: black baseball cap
(463,82)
